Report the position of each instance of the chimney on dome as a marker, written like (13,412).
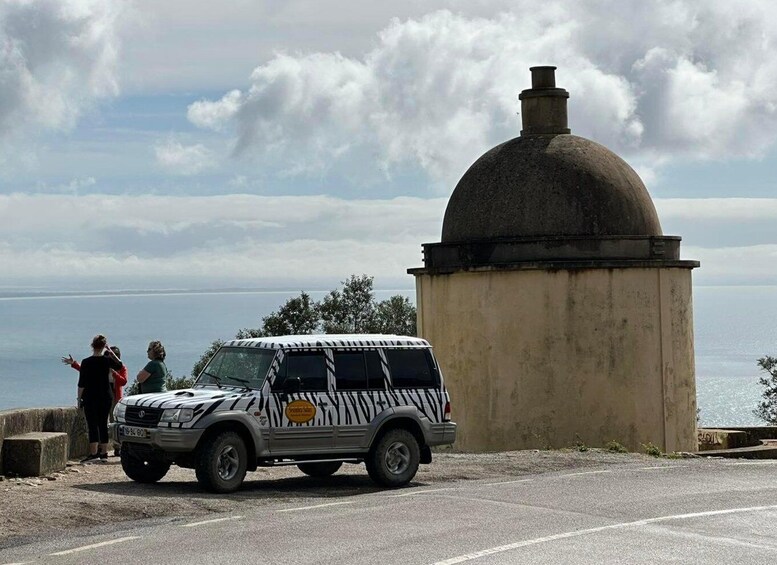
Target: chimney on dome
(543,106)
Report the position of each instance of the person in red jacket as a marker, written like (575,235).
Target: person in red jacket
(118,379)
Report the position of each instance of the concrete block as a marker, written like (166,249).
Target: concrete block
(35,454)
(69,420)
(713,439)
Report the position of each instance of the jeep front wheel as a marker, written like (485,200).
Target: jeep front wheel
(221,463)
(141,467)
(393,460)
(323,469)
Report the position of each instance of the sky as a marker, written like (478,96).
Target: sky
(289,144)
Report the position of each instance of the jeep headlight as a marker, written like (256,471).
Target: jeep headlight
(177,415)
(119,412)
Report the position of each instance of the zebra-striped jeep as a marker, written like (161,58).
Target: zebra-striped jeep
(312,401)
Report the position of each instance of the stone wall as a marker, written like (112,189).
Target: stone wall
(68,420)
(548,358)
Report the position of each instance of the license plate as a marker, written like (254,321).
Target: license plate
(132,431)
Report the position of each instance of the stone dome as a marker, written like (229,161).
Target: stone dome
(548,183)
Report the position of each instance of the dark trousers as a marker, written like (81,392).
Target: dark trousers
(96,412)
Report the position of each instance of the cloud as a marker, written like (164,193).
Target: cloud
(256,241)
(181,159)
(57,57)
(723,209)
(247,240)
(655,81)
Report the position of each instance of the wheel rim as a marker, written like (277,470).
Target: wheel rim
(397,458)
(229,461)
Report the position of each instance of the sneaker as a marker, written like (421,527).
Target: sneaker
(117,452)
(104,456)
(90,458)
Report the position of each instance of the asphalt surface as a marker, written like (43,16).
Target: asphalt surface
(682,511)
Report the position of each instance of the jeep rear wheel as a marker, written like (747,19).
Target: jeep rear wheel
(142,467)
(393,460)
(323,469)
(221,463)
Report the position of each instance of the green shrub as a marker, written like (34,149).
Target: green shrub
(651,449)
(616,447)
(579,445)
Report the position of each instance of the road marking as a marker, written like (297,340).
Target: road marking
(210,521)
(752,463)
(662,467)
(316,506)
(94,545)
(508,482)
(418,492)
(585,473)
(578,533)
(718,539)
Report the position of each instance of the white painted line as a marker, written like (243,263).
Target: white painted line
(578,533)
(418,492)
(316,506)
(712,539)
(584,473)
(752,463)
(22,563)
(193,524)
(507,482)
(662,467)
(94,545)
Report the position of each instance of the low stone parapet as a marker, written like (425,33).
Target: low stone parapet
(68,420)
(35,454)
(716,438)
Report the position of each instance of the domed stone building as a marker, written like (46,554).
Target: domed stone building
(558,310)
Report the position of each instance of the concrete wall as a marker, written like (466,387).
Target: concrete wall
(69,420)
(542,359)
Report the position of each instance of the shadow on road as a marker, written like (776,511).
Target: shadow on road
(336,486)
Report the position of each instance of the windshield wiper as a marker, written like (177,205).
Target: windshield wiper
(214,377)
(244,381)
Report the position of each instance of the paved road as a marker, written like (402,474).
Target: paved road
(688,511)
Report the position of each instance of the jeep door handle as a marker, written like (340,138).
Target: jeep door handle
(380,402)
(323,404)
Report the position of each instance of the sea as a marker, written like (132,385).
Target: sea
(733,327)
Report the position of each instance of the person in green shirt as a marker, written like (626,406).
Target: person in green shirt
(151,378)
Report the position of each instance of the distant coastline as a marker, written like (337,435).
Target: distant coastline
(44,294)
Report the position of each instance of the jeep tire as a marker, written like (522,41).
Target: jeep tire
(393,460)
(141,468)
(221,462)
(322,469)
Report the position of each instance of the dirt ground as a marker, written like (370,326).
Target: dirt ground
(100,494)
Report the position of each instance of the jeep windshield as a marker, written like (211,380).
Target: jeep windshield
(237,367)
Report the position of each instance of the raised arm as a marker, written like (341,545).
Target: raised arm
(72,362)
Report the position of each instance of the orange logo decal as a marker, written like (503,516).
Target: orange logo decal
(300,411)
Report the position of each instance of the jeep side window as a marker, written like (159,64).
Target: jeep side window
(309,366)
(411,368)
(358,370)
(350,371)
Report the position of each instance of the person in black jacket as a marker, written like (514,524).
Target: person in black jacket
(95,394)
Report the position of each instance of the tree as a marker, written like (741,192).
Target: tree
(394,315)
(352,309)
(349,311)
(767,408)
(299,316)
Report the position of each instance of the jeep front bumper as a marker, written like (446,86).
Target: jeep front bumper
(166,439)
